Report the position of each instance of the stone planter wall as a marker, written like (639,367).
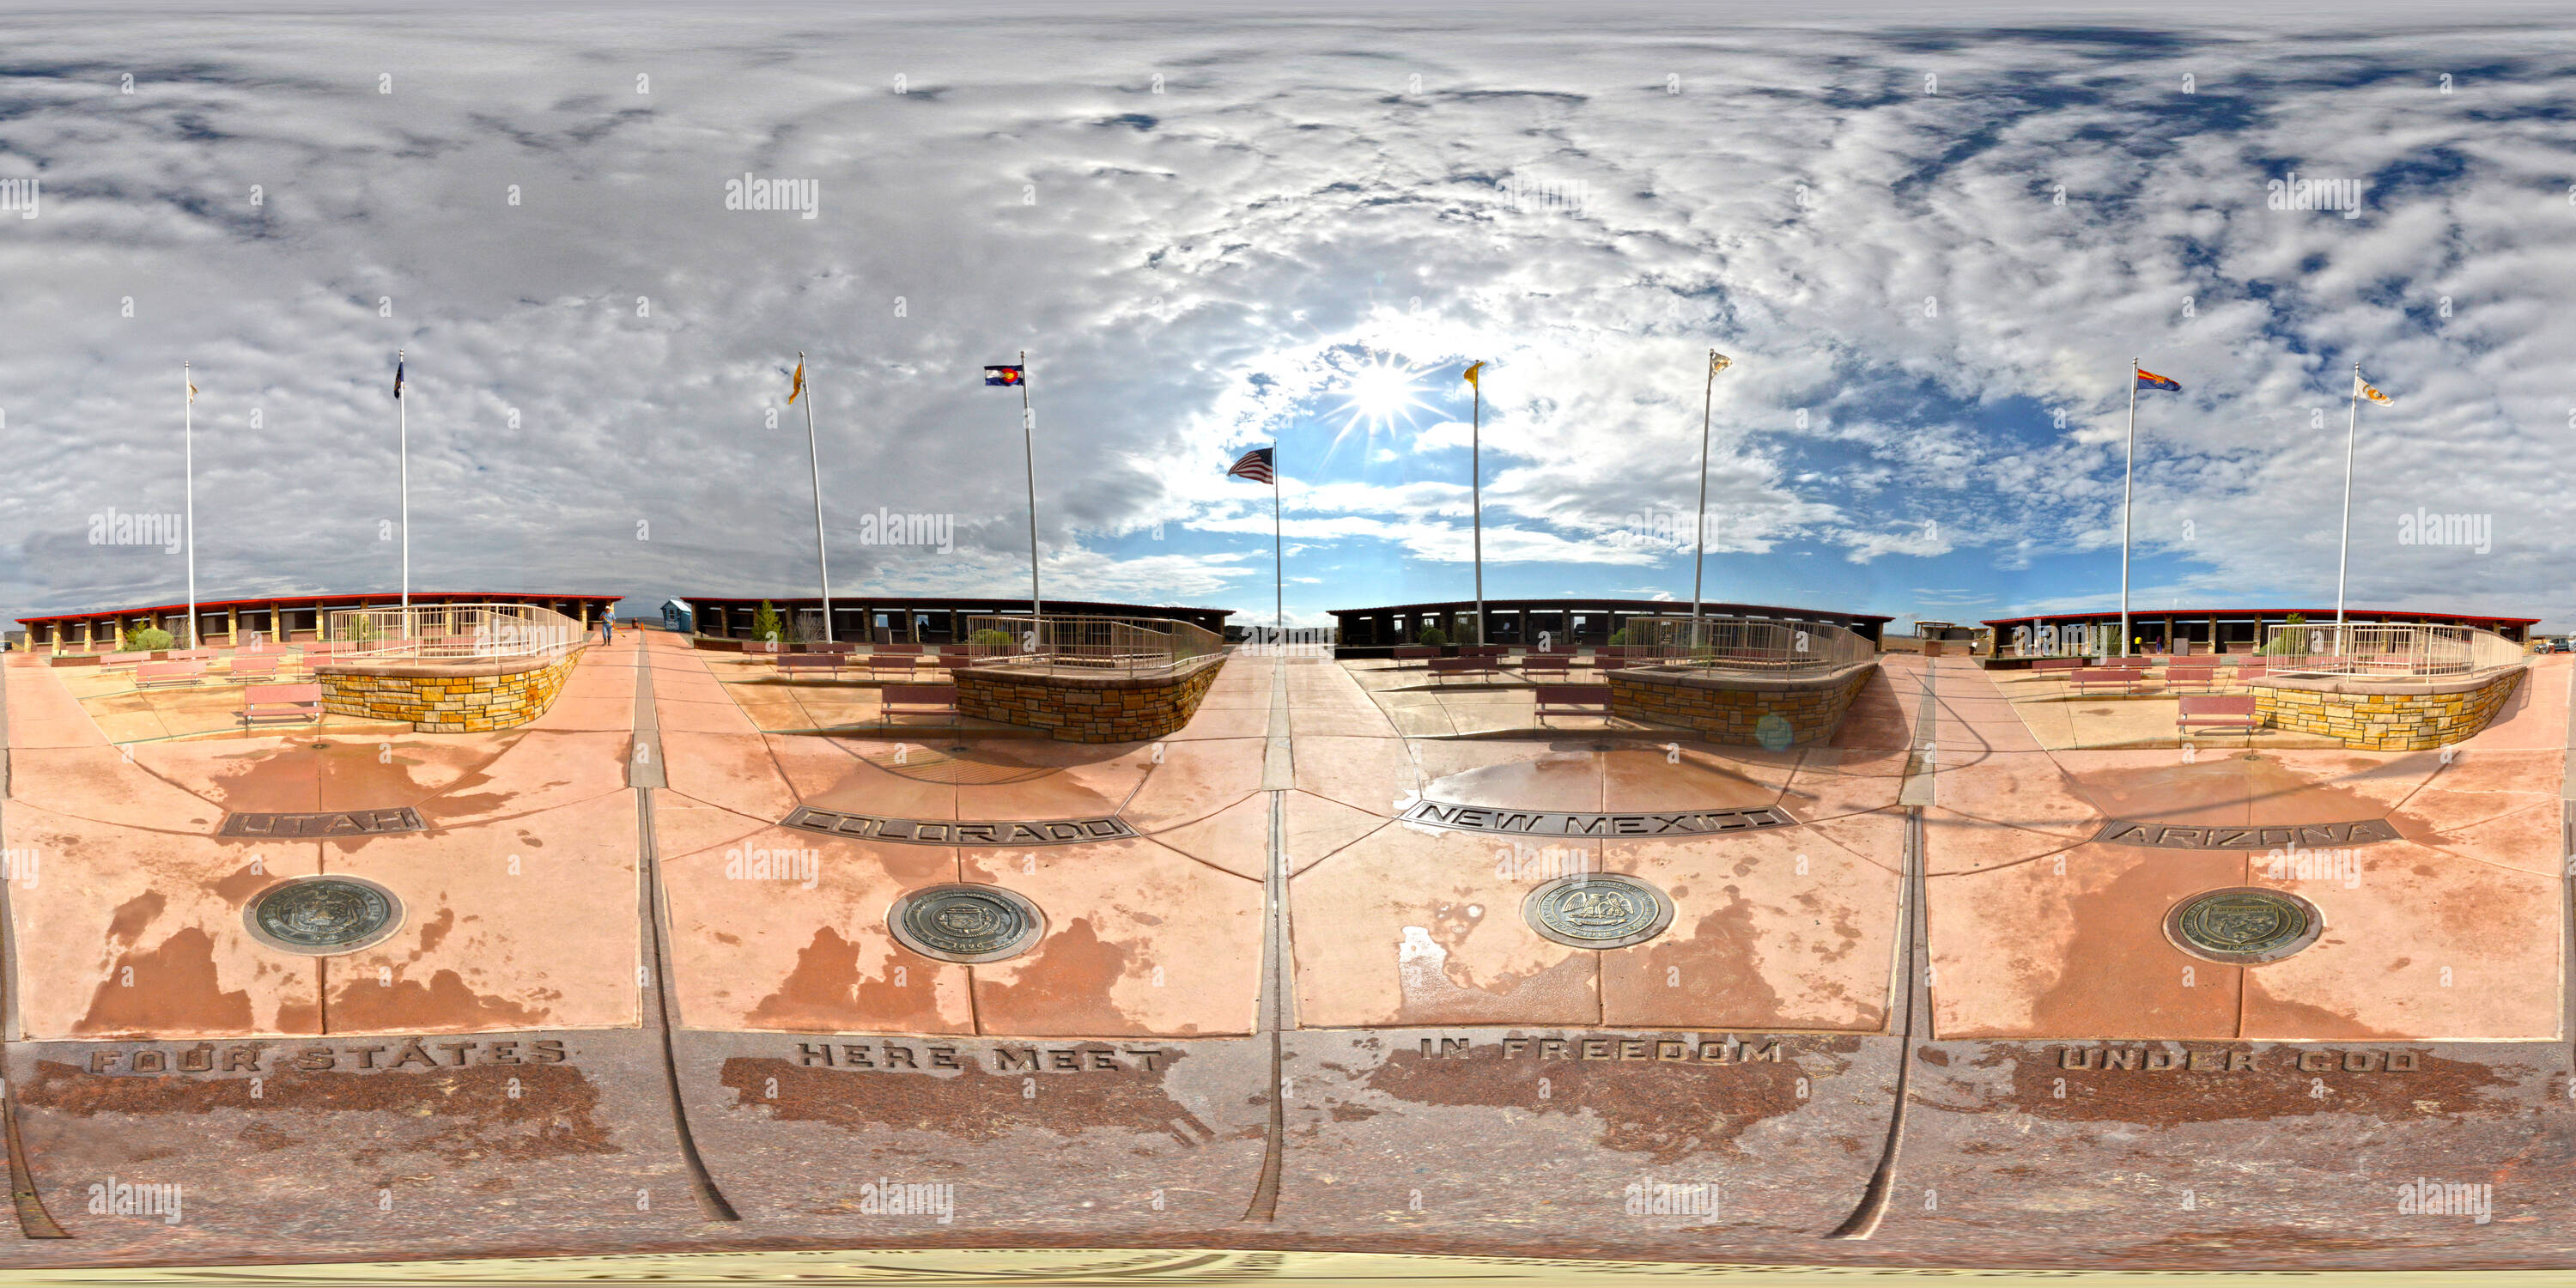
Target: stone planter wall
(460,697)
(1088,708)
(1740,710)
(2384,715)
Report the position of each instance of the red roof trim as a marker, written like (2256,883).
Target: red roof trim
(315,601)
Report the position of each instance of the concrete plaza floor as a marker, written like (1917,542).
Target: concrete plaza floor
(640,997)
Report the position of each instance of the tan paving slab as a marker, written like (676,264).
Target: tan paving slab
(1408,926)
(128,932)
(495,935)
(1194,781)
(891,779)
(2020,789)
(1236,838)
(43,713)
(2418,944)
(1830,782)
(1770,931)
(2527,840)
(754,947)
(2076,949)
(2535,717)
(1141,940)
(1071,779)
(1638,779)
(735,771)
(537,771)
(100,784)
(1535,777)
(1372,774)
(1955,843)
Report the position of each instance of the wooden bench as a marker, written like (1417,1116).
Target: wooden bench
(1535,665)
(881,664)
(2198,677)
(2058,664)
(282,703)
(898,650)
(157,675)
(246,669)
(1444,667)
(1482,650)
(1414,653)
(2226,712)
(2093,677)
(807,663)
(113,661)
(916,700)
(1572,699)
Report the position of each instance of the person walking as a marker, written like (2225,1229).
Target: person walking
(607,623)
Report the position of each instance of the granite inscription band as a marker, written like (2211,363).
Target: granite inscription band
(1519,822)
(1597,910)
(2165,836)
(2244,925)
(914,831)
(965,923)
(360,822)
(322,916)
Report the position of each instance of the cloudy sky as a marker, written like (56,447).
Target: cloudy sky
(1932,240)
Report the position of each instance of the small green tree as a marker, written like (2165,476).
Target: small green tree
(990,638)
(147,639)
(1618,638)
(765,625)
(1433,636)
(2287,643)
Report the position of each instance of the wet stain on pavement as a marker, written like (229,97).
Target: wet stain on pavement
(826,993)
(443,1005)
(169,990)
(1061,988)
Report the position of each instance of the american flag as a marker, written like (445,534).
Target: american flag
(1255,466)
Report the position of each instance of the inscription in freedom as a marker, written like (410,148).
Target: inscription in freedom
(362,822)
(912,831)
(2305,835)
(1519,822)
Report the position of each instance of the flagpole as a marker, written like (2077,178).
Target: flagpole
(2343,553)
(814,454)
(1476,468)
(1278,559)
(2128,489)
(1699,525)
(188,451)
(1028,442)
(402,431)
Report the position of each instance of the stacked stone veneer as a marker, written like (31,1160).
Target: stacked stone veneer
(459,697)
(1729,707)
(2384,715)
(1087,708)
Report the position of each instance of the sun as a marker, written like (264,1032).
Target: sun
(1381,391)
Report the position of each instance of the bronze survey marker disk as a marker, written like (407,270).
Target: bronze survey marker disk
(321,916)
(1597,910)
(2244,925)
(966,923)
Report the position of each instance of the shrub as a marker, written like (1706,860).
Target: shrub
(765,624)
(1433,636)
(990,638)
(147,639)
(1618,638)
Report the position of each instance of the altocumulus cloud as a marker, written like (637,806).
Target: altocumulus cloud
(1931,245)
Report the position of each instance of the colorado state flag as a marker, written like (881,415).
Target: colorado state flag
(2150,380)
(1004,375)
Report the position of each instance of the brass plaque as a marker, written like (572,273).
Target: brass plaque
(1650,825)
(2244,925)
(2195,836)
(966,923)
(353,822)
(320,916)
(1597,910)
(914,831)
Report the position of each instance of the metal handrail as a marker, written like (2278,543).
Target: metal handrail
(1075,644)
(1743,644)
(2394,649)
(450,632)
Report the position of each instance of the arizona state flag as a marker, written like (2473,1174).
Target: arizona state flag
(1471,375)
(2150,380)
